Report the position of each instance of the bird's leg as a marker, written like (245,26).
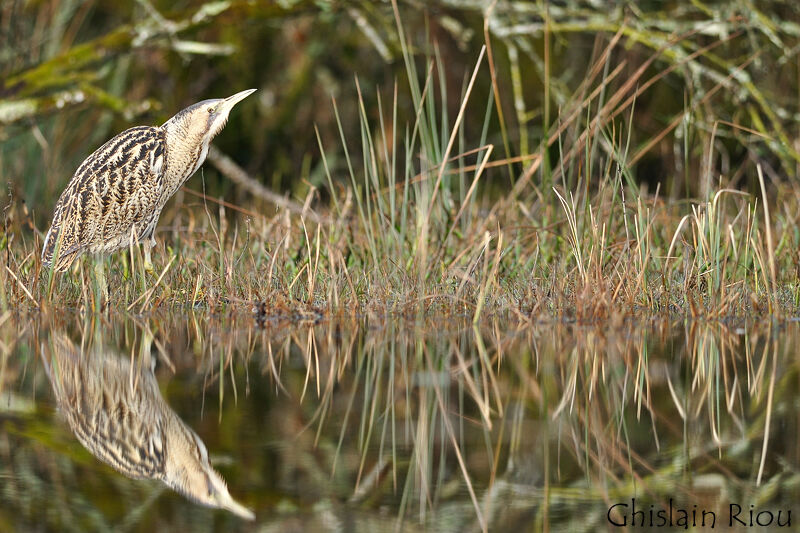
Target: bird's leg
(147,246)
(100,279)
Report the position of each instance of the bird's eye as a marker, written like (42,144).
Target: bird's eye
(211,110)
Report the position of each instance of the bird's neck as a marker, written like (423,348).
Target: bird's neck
(185,153)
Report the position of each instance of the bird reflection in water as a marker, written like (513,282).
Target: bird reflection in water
(114,407)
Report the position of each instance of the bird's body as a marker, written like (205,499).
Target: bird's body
(116,411)
(116,196)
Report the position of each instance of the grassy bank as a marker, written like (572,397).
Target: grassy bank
(520,161)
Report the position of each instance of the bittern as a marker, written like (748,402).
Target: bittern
(116,196)
(116,411)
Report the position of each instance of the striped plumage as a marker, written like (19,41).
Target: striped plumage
(116,189)
(117,194)
(117,413)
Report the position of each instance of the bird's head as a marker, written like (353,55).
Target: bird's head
(188,472)
(204,120)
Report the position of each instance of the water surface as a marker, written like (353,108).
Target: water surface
(388,424)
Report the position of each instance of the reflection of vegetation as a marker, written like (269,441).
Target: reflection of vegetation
(437,424)
(434,185)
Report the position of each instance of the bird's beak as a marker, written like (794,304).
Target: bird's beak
(222,498)
(227,104)
(219,116)
(226,501)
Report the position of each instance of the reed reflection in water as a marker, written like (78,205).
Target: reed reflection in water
(382,425)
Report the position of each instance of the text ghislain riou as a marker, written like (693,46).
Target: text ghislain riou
(634,514)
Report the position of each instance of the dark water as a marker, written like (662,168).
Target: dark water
(389,424)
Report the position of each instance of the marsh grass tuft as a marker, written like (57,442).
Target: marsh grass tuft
(427,196)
